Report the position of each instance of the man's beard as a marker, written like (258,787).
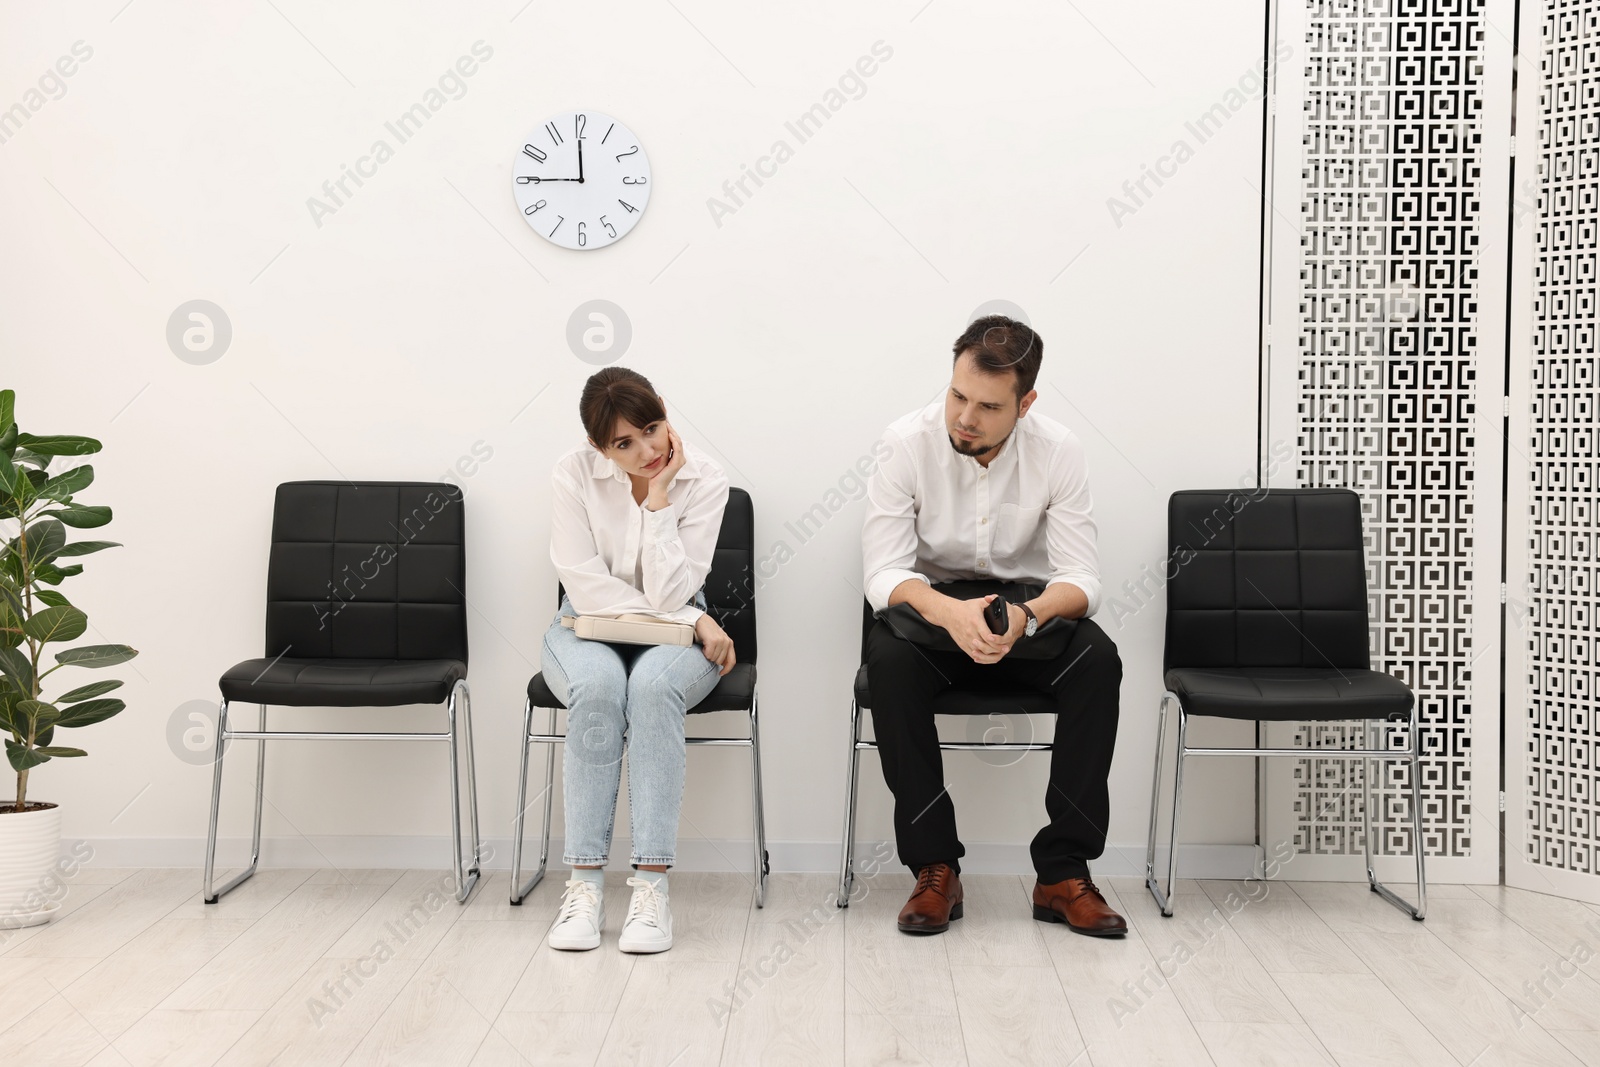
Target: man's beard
(974,448)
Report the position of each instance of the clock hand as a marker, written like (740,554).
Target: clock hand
(580,159)
(534,179)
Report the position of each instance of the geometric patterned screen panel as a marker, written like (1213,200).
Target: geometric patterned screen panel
(1560,576)
(1387,387)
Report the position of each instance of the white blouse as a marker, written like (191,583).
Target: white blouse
(933,513)
(614,556)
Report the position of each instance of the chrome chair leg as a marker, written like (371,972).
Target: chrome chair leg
(847,873)
(520,889)
(762,863)
(1155,804)
(1421,910)
(465,878)
(1415,759)
(1418,910)
(209,895)
(519,892)
(1166,899)
(549,798)
(1366,814)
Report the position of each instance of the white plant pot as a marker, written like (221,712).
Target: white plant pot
(30,842)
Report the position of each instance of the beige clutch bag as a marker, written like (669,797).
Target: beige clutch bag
(630,629)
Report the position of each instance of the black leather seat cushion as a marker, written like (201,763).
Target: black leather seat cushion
(734,692)
(1290,694)
(342,683)
(972,702)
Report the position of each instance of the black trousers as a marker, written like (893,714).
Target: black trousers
(904,679)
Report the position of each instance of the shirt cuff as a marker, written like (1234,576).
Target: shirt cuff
(661,526)
(1090,587)
(884,582)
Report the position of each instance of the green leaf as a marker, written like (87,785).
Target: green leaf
(23,455)
(50,573)
(38,712)
(82,516)
(59,444)
(84,692)
(57,750)
(8,700)
(45,540)
(83,548)
(8,475)
(43,736)
(95,655)
(90,712)
(22,757)
(56,624)
(53,598)
(18,668)
(10,623)
(63,485)
(8,409)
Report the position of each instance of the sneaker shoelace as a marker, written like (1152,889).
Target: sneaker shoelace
(581,899)
(646,903)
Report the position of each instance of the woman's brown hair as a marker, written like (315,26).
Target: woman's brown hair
(617,393)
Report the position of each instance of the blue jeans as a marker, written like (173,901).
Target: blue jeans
(615,693)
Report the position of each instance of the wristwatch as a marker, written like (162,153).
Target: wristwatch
(1033,621)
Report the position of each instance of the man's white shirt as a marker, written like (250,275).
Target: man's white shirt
(615,556)
(936,515)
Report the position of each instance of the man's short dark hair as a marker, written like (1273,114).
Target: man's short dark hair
(1000,345)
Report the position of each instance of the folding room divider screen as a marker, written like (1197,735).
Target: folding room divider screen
(1551,803)
(1383,362)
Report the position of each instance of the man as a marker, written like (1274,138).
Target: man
(976,488)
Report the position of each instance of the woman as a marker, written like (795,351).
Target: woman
(634,521)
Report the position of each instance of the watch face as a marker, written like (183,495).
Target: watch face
(582,180)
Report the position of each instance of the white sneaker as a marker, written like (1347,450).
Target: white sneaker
(649,924)
(581,918)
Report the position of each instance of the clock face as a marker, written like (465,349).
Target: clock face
(582,180)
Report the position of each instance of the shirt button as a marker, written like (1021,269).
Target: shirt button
(983,563)
(984,521)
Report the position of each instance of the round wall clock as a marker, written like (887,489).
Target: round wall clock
(582,180)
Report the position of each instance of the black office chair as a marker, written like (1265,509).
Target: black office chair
(1267,621)
(366,607)
(966,702)
(730,599)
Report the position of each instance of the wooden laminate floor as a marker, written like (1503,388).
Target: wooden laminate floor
(383,967)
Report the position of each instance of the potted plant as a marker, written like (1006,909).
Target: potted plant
(36,507)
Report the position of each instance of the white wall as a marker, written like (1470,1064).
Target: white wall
(424,316)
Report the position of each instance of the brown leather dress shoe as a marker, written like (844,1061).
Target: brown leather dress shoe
(1079,904)
(935,901)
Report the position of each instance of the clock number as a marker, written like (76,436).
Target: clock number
(630,207)
(578,123)
(608,132)
(583,238)
(610,229)
(555,134)
(536,154)
(629,152)
(559,220)
(634,181)
(536,207)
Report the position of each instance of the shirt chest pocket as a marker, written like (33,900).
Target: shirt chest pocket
(1016,529)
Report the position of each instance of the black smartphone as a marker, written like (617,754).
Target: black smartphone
(998,615)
